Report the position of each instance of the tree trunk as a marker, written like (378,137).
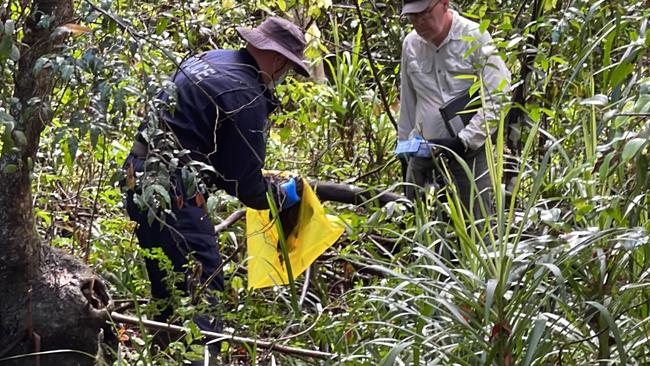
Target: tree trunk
(50,301)
(59,306)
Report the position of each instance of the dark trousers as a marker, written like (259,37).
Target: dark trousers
(422,172)
(189,234)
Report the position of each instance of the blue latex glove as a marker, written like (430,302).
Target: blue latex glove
(291,196)
(407,148)
(424,150)
(414,147)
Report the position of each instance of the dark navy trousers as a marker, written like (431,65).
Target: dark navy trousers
(189,234)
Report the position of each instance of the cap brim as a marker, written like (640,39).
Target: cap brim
(259,40)
(416,7)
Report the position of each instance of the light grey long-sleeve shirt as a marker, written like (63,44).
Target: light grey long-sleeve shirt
(429,76)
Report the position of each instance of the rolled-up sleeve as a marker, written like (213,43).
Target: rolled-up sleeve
(495,77)
(407,99)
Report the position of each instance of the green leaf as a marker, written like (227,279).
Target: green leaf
(513,42)
(505,24)
(162,24)
(598,99)
(189,181)
(549,5)
(43,215)
(620,73)
(284,133)
(454,311)
(66,72)
(45,21)
(490,289)
(9,168)
(7,120)
(9,27)
(213,203)
(559,60)
(19,138)
(94,135)
(162,192)
(6,45)
(631,148)
(237,283)
(485,23)
(391,356)
(534,113)
(612,328)
(535,336)
(642,170)
(556,272)
(642,105)
(15,53)
(474,88)
(70,150)
(41,63)
(471,50)
(151,216)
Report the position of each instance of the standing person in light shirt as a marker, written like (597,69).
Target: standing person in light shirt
(442,46)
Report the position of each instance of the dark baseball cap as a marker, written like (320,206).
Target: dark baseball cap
(414,6)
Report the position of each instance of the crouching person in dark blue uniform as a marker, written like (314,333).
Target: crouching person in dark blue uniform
(217,112)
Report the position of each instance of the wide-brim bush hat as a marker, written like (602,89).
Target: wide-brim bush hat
(279,35)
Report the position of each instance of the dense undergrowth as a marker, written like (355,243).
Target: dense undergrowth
(559,275)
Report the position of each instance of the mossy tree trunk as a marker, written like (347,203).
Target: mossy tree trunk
(50,301)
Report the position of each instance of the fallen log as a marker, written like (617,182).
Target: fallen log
(351,194)
(268,345)
(333,192)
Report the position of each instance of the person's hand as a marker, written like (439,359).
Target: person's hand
(425,150)
(290,209)
(292,190)
(454,144)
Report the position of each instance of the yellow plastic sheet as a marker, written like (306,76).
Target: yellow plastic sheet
(314,233)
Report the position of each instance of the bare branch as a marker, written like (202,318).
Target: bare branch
(233,218)
(270,345)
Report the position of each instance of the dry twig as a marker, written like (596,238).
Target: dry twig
(117,317)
